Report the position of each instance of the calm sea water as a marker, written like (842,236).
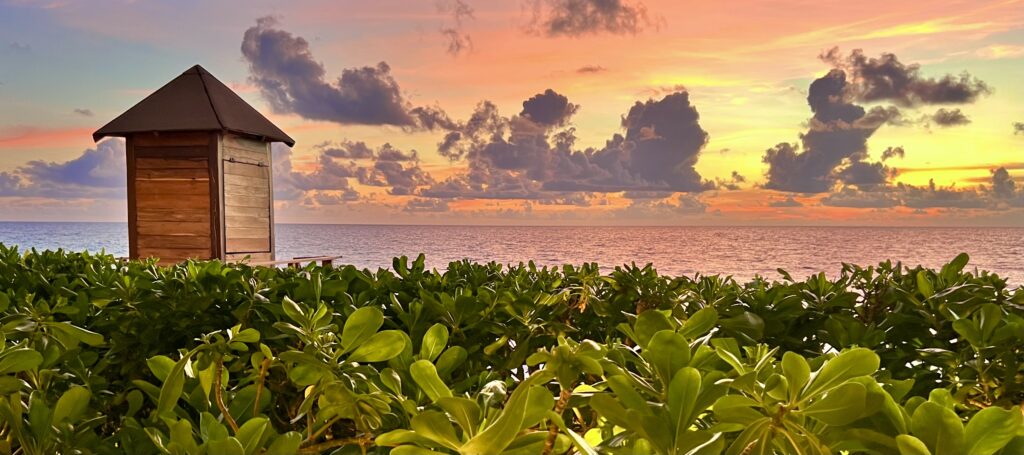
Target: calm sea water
(738,251)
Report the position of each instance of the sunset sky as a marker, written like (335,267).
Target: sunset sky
(545,111)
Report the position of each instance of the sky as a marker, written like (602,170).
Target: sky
(545,112)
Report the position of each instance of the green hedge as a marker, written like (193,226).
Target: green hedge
(102,356)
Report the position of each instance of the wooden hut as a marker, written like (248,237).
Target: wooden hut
(199,172)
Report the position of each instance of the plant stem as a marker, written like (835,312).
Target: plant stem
(549,443)
(259,386)
(322,429)
(317,449)
(218,395)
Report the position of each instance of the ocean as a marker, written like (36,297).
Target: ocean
(742,252)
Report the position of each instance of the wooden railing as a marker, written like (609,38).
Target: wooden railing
(297,262)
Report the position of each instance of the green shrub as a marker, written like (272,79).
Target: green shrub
(102,356)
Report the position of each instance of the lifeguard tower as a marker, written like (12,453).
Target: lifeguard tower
(199,172)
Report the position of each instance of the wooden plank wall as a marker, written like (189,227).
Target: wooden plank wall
(247,198)
(172,198)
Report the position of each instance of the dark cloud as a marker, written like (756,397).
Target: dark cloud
(646,194)
(83,112)
(864,174)
(834,149)
(854,198)
(533,154)
(585,17)
(681,204)
(1003,186)
(292,81)
(458,41)
(1001,193)
(885,78)
(333,197)
(1018,127)
(836,139)
(893,152)
(591,69)
(401,178)
(787,202)
(949,117)
(733,183)
(548,109)
(421,205)
(338,162)
(98,173)
(574,199)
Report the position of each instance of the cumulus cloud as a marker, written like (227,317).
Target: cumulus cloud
(834,149)
(787,202)
(533,154)
(282,66)
(337,164)
(422,205)
(1000,193)
(458,41)
(893,152)
(548,109)
(949,117)
(885,78)
(576,18)
(680,205)
(97,173)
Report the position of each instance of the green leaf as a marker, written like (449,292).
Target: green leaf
(924,285)
(286,444)
(538,402)
(434,342)
(648,323)
(210,429)
(682,397)
(380,347)
(840,406)
(401,436)
(82,335)
(464,411)
(294,311)
(699,323)
(18,360)
(497,436)
(667,351)
(939,428)
(848,364)
(425,376)
(181,436)
(71,405)
(360,326)
(797,372)
(627,395)
(170,392)
(412,450)
(991,429)
(228,446)
(435,426)
(251,433)
(909,445)
(451,359)
(161,366)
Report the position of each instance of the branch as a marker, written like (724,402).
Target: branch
(218,396)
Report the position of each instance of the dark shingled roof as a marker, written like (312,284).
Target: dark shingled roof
(194,101)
